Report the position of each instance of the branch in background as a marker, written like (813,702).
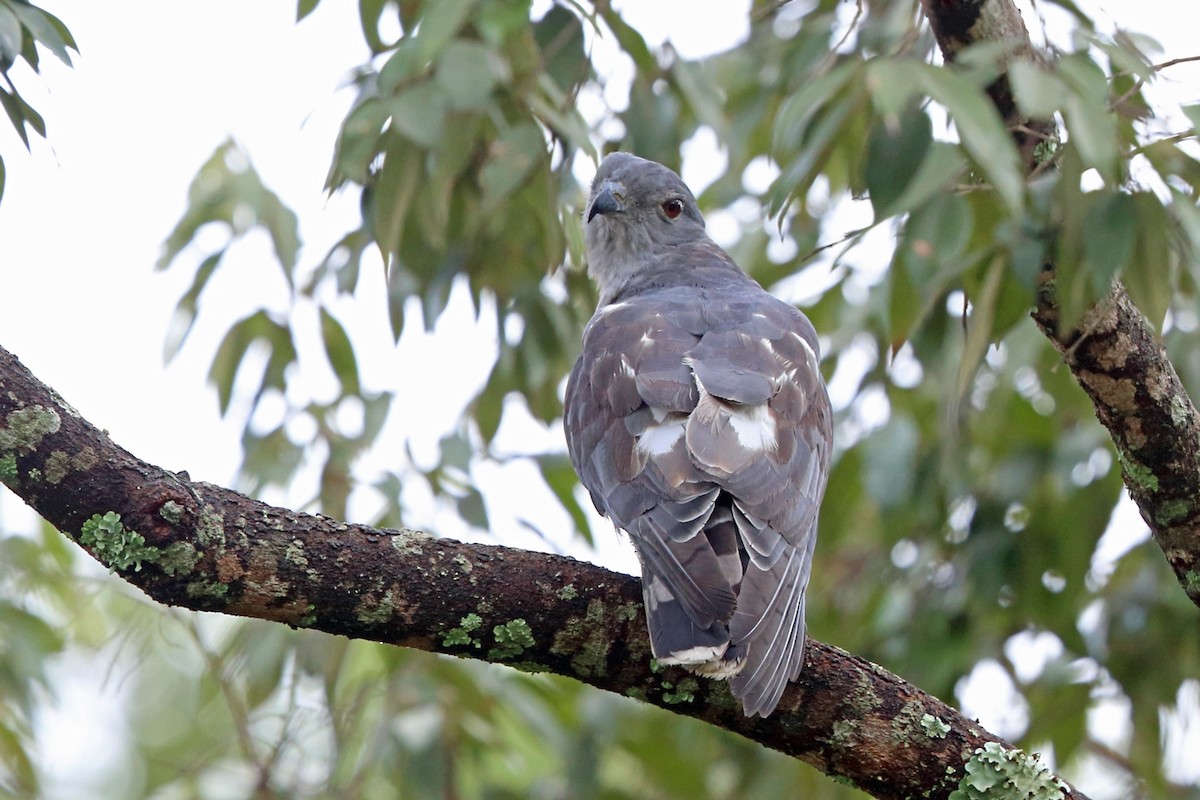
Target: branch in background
(1114,352)
(207,548)
(1122,366)
(958,24)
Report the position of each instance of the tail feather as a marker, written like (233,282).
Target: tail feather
(767,630)
(675,638)
(690,588)
(690,570)
(712,609)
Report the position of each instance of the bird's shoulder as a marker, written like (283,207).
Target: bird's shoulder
(677,308)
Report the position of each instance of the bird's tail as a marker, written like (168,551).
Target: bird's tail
(689,589)
(767,631)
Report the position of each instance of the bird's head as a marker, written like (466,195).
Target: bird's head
(637,212)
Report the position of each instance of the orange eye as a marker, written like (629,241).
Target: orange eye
(672,208)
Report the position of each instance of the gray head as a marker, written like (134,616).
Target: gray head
(638,211)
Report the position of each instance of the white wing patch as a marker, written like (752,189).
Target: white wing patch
(661,438)
(627,368)
(754,427)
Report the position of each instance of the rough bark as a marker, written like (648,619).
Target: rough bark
(212,549)
(1114,352)
(1122,366)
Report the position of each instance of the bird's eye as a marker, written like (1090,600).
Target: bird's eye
(672,208)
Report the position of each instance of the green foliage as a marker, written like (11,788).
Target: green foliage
(23,27)
(227,190)
(115,545)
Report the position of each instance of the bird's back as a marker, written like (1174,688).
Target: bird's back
(697,419)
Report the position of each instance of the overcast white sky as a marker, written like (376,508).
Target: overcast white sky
(155,89)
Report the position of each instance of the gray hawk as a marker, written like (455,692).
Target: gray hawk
(698,420)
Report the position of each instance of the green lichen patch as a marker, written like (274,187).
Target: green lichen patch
(1044,151)
(116,546)
(371,611)
(511,640)
(310,617)
(627,612)
(1172,512)
(8,470)
(294,553)
(934,727)
(85,459)
(904,724)
(994,773)
(58,464)
(568,592)
(460,636)
(179,558)
(1138,473)
(171,511)
(842,733)
(864,699)
(408,542)
(683,692)
(213,590)
(25,428)
(210,529)
(586,640)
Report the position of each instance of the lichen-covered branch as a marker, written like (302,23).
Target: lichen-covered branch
(203,547)
(1122,366)
(1113,352)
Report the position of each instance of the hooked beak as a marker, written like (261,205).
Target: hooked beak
(609,199)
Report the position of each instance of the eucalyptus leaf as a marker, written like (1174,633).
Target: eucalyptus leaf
(896,150)
(305,7)
(47,30)
(439,23)
(11,37)
(340,351)
(982,132)
(467,71)
(1039,92)
(1109,236)
(981,327)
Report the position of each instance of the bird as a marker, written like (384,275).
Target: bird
(697,418)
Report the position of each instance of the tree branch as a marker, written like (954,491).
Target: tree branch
(1121,364)
(212,549)
(1114,352)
